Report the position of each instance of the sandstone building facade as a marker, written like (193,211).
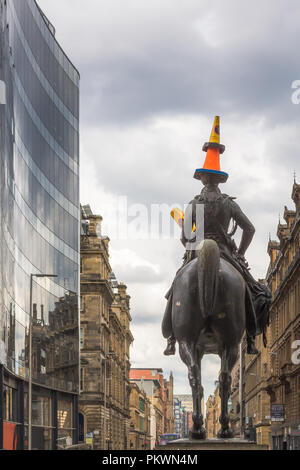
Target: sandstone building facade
(169,405)
(160,393)
(251,404)
(105,340)
(186,407)
(140,419)
(213,411)
(283,277)
(270,391)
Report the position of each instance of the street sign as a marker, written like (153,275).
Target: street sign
(277,412)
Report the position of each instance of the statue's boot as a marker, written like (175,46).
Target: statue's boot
(251,323)
(170,349)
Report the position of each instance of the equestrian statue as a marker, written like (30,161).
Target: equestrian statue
(214,298)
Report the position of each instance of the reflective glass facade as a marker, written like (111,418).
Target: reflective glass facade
(39,228)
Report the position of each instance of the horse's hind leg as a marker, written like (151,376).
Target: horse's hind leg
(228,360)
(190,357)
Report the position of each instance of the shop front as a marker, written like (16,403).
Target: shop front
(54,421)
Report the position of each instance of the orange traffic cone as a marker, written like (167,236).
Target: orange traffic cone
(213,149)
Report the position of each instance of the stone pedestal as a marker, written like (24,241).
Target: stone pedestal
(212,444)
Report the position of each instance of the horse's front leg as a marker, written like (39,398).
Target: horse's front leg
(189,357)
(228,359)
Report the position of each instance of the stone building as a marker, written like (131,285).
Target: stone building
(213,411)
(105,340)
(255,399)
(186,404)
(152,440)
(120,341)
(283,384)
(235,412)
(140,419)
(169,405)
(160,393)
(270,398)
(159,408)
(250,405)
(178,416)
(210,418)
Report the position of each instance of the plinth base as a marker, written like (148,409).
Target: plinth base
(212,444)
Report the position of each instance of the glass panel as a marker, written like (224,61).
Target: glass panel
(10,404)
(64,414)
(41,410)
(38,212)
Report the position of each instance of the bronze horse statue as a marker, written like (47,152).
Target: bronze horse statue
(214,298)
(208,317)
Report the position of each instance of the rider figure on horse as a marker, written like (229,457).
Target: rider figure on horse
(219,210)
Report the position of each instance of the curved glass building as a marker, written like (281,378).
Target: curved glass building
(39,230)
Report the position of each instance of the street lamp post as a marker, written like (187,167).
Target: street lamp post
(30,359)
(106,357)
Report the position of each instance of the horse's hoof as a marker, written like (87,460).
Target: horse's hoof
(225,434)
(199,434)
(169,351)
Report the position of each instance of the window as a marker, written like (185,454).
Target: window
(41,410)
(71,351)
(10,404)
(64,414)
(142,404)
(141,424)
(81,379)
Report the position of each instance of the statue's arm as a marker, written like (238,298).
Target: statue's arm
(186,231)
(246,226)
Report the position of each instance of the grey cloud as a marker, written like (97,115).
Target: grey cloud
(144,319)
(138,62)
(139,274)
(153,74)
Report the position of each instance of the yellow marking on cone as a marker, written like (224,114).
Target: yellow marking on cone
(215,133)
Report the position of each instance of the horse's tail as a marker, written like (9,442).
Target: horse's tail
(208,275)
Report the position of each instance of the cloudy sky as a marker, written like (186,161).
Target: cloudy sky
(153,76)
